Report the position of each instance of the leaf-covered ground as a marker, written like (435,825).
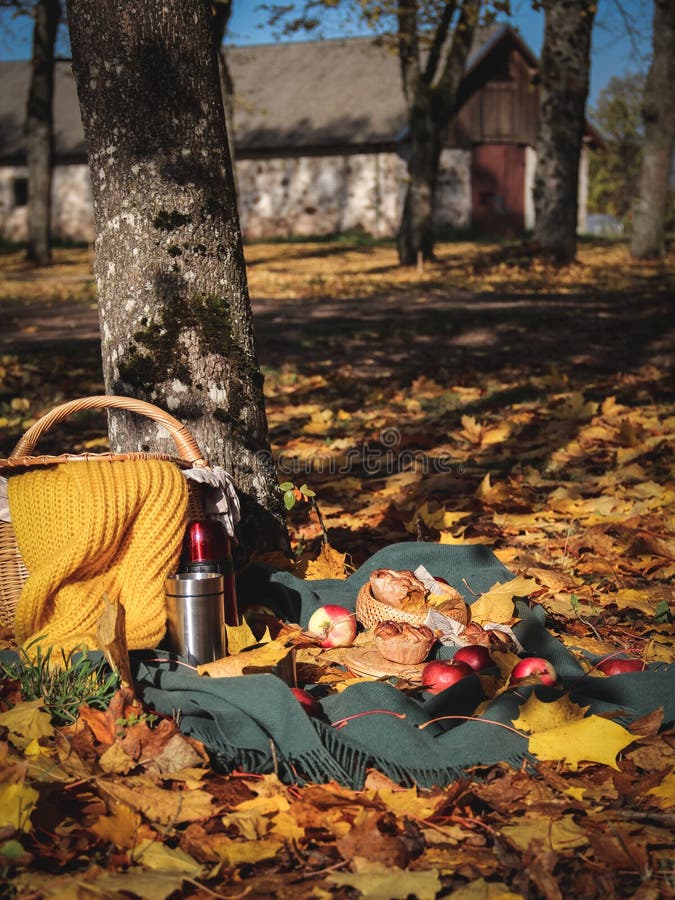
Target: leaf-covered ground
(488,398)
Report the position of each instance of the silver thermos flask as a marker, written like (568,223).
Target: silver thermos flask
(195,609)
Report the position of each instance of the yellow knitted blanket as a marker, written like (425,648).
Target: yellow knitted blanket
(90,528)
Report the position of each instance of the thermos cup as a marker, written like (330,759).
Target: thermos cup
(206,548)
(195,611)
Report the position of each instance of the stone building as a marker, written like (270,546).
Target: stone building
(320,135)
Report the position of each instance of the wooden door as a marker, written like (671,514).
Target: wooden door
(498,189)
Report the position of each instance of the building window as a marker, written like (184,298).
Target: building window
(20,187)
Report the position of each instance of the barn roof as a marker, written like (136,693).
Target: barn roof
(288,96)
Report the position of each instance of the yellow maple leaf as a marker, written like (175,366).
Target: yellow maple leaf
(440,518)
(319,422)
(156,855)
(632,598)
(536,715)
(496,605)
(592,739)
(240,636)
(557,835)
(17,802)
(665,792)
(285,826)
(120,828)
(575,406)
(480,889)
(159,804)
(266,658)
(330,563)
(237,853)
(407,802)
(448,538)
(27,721)
(376,881)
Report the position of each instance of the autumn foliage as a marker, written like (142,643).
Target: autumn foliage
(490,399)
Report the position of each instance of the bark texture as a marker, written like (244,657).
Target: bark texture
(430,86)
(658,114)
(175,313)
(565,67)
(39,130)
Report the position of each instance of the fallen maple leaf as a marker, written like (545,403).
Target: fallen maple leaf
(664,793)
(27,721)
(270,657)
(120,828)
(496,605)
(378,882)
(239,637)
(156,855)
(557,834)
(536,715)
(17,802)
(330,563)
(592,739)
(480,889)
(166,807)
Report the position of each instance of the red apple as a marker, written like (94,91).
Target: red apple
(440,674)
(474,655)
(616,665)
(333,626)
(535,667)
(308,703)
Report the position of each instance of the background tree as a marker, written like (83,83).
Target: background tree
(430,85)
(564,82)
(614,170)
(175,312)
(432,39)
(221,12)
(658,113)
(38,124)
(39,130)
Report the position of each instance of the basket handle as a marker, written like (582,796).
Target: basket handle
(187,447)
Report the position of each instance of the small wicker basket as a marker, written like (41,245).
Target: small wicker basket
(370,612)
(13,572)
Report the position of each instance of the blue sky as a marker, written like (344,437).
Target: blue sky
(614,52)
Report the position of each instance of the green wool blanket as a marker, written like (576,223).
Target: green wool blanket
(254,723)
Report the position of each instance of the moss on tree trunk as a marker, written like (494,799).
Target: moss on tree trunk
(175,314)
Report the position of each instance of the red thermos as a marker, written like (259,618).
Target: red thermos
(206,548)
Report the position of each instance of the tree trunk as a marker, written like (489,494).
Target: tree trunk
(431,96)
(658,113)
(221,12)
(416,232)
(175,313)
(39,130)
(565,66)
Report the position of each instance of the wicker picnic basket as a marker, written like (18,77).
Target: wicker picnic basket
(370,611)
(13,572)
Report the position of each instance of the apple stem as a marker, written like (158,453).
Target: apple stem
(368,712)
(474,719)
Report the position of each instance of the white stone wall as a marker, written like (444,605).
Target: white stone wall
(453,190)
(582,211)
(306,195)
(530,166)
(324,194)
(309,195)
(72,214)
